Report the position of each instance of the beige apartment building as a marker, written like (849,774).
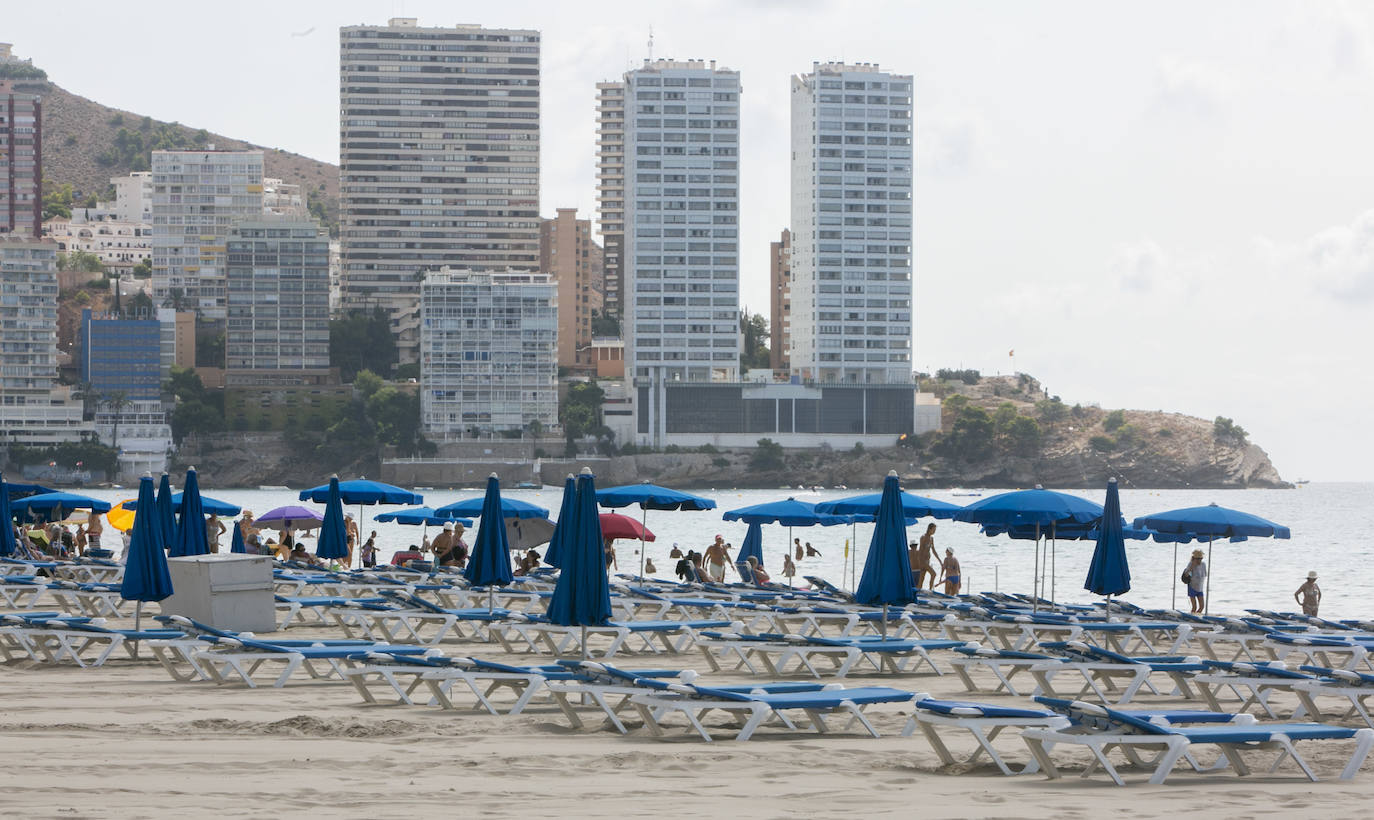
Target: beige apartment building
(780,300)
(568,253)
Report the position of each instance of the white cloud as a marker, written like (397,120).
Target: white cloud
(1190,86)
(947,145)
(1339,261)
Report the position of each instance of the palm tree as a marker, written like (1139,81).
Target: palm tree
(117,400)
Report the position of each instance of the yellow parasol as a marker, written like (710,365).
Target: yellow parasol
(120,518)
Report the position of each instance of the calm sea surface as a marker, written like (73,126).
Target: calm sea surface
(1332,525)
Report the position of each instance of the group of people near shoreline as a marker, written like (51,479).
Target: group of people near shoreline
(448,549)
(709,567)
(923,554)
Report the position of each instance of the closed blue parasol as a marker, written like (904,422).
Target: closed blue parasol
(1109,573)
(419,516)
(8,546)
(751,547)
(166,520)
(236,545)
(363,491)
(55,506)
(913,506)
(489,564)
(145,571)
(333,541)
(191,538)
(564,526)
(208,505)
(886,577)
(473,507)
(582,596)
(1044,511)
(650,497)
(1207,524)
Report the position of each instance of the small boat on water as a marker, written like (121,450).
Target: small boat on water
(528,485)
(273,487)
(966,493)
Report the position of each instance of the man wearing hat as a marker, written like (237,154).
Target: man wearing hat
(443,545)
(1309,595)
(1196,578)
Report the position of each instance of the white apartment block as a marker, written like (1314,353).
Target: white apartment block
(682,215)
(610,192)
(439,158)
(134,197)
(851,224)
(198,196)
(34,409)
(281,198)
(488,353)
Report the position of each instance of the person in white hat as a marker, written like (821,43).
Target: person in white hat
(1309,595)
(1195,576)
(443,546)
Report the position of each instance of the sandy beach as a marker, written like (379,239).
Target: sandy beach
(124,740)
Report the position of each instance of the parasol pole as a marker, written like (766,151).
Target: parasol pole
(1207,602)
(1035,579)
(1173,596)
(1054,554)
(584,642)
(138,612)
(643,528)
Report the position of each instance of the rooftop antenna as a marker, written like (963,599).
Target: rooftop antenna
(651,43)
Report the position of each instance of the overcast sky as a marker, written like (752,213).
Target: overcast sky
(1157,205)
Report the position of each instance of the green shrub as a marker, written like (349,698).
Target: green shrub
(1102,444)
(1114,420)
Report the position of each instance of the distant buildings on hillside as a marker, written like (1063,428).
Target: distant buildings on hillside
(439,226)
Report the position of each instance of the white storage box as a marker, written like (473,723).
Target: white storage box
(227,591)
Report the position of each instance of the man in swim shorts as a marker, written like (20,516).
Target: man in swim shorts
(717,556)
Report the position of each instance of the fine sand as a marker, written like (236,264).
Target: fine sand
(125,740)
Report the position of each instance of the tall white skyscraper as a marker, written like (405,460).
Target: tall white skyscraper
(682,222)
(438,158)
(610,192)
(197,197)
(851,224)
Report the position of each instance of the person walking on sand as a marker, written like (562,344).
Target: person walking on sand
(1195,576)
(950,567)
(1309,595)
(717,556)
(922,556)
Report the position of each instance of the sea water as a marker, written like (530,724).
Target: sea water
(1332,524)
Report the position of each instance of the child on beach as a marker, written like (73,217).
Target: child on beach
(1309,595)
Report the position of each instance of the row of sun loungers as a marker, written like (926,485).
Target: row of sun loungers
(402,635)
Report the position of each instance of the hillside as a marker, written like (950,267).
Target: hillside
(85,143)
(999,432)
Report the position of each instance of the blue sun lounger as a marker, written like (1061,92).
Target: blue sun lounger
(1101,729)
(752,706)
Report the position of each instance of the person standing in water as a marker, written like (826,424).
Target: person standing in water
(1309,595)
